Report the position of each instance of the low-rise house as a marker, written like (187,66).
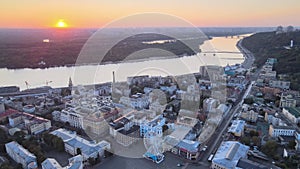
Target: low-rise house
(21,155)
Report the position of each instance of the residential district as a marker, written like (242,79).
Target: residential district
(220,118)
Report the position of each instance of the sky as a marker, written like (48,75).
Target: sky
(98,13)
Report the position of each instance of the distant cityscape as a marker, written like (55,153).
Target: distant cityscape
(245,115)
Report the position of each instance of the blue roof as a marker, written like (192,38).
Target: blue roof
(86,147)
(21,151)
(191,146)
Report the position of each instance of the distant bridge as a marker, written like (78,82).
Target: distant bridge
(235,52)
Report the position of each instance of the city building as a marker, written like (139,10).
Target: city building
(209,104)
(33,124)
(273,120)
(29,108)
(137,101)
(280,84)
(250,116)
(292,113)
(154,125)
(74,143)
(275,131)
(213,72)
(9,89)
(184,148)
(237,128)
(228,155)
(21,155)
(222,109)
(2,107)
(287,100)
(75,162)
(7,113)
(124,131)
(245,163)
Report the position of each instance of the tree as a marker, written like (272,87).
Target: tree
(107,153)
(290,29)
(270,148)
(19,166)
(253,133)
(78,150)
(248,101)
(6,166)
(256,140)
(245,140)
(91,161)
(164,128)
(292,144)
(279,29)
(19,136)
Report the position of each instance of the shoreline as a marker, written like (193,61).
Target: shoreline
(249,57)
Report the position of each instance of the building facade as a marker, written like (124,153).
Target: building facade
(20,155)
(275,131)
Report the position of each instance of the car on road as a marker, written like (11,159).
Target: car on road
(179,165)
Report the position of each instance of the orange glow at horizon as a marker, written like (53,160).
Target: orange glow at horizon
(61,24)
(99,13)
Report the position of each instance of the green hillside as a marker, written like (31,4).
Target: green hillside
(271,45)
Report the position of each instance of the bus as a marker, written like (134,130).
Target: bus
(210,158)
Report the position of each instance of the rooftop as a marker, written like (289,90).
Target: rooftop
(51,163)
(71,138)
(21,151)
(248,164)
(237,126)
(191,146)
(295,111)
(229,153)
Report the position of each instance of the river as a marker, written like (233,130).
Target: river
(92,74)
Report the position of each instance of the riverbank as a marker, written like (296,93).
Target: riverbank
(249,57)
(94,74)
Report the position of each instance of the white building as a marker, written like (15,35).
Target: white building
(209,104)
(70,116)
(250,116)
(33,124)
(222,109)
(228,155)
(287,100)
(279,84)
(237,128)
(292,113)
(275,131)
(74,163)
(73,143)
(20,155)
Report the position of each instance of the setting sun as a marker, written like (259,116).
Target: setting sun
(61,24)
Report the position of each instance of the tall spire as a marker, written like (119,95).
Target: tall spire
(70,82)
(114,80)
